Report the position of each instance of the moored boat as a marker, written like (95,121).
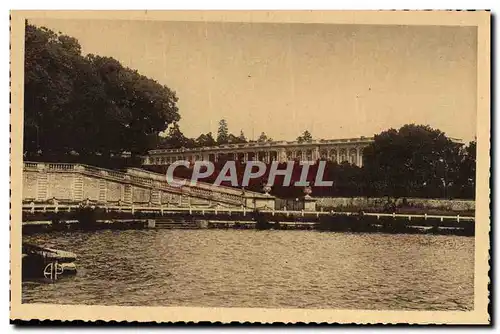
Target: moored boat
(42,262)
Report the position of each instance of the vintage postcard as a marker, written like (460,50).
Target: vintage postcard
(250,166)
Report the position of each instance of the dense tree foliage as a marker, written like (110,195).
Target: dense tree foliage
(418,161)
(87,105)
(466,182)
(263,138)
(223,132)
(205,140)
(305,137)
(176,139)
(242,138)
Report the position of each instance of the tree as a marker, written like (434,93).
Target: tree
(242,138)
(89,105)
(139,108)
(263,138)
(306,137)
(232,139)
(222,133)
(467,173)
(176,139)
(206,140)
(49,75)
(415,160)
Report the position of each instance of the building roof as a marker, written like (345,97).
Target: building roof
(266,144)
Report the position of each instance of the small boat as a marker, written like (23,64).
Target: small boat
(49,263)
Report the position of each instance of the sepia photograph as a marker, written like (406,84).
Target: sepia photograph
(250,166)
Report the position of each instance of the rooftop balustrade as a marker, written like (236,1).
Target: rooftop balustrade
(277,144)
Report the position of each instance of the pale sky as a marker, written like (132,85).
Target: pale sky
(337,81)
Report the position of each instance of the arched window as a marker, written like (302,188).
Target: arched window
(273,156)
(309,155)
(262,156)
(343,155)
(352,156)
(298,155)
(323,154)
(333,155)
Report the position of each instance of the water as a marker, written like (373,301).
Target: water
(276,269)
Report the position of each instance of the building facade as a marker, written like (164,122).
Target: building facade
(339,150)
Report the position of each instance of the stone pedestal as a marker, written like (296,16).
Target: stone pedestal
(260,202)
(309,203)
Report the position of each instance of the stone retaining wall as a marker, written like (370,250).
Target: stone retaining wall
(379,203)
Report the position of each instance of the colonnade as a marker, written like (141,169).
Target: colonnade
(350,154)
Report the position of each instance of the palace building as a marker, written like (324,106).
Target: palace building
(339,150)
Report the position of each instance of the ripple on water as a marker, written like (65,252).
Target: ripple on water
(229,268)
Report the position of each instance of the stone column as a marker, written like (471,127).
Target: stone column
(338,156)
(316,153)
(282,155)
(245,156)
(267,157)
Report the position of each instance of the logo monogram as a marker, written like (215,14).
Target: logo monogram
(52,270)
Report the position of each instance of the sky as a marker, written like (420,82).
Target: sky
(337,81)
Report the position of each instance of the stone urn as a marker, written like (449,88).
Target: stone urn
(307,191)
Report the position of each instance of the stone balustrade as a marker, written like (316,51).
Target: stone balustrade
(76,182)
